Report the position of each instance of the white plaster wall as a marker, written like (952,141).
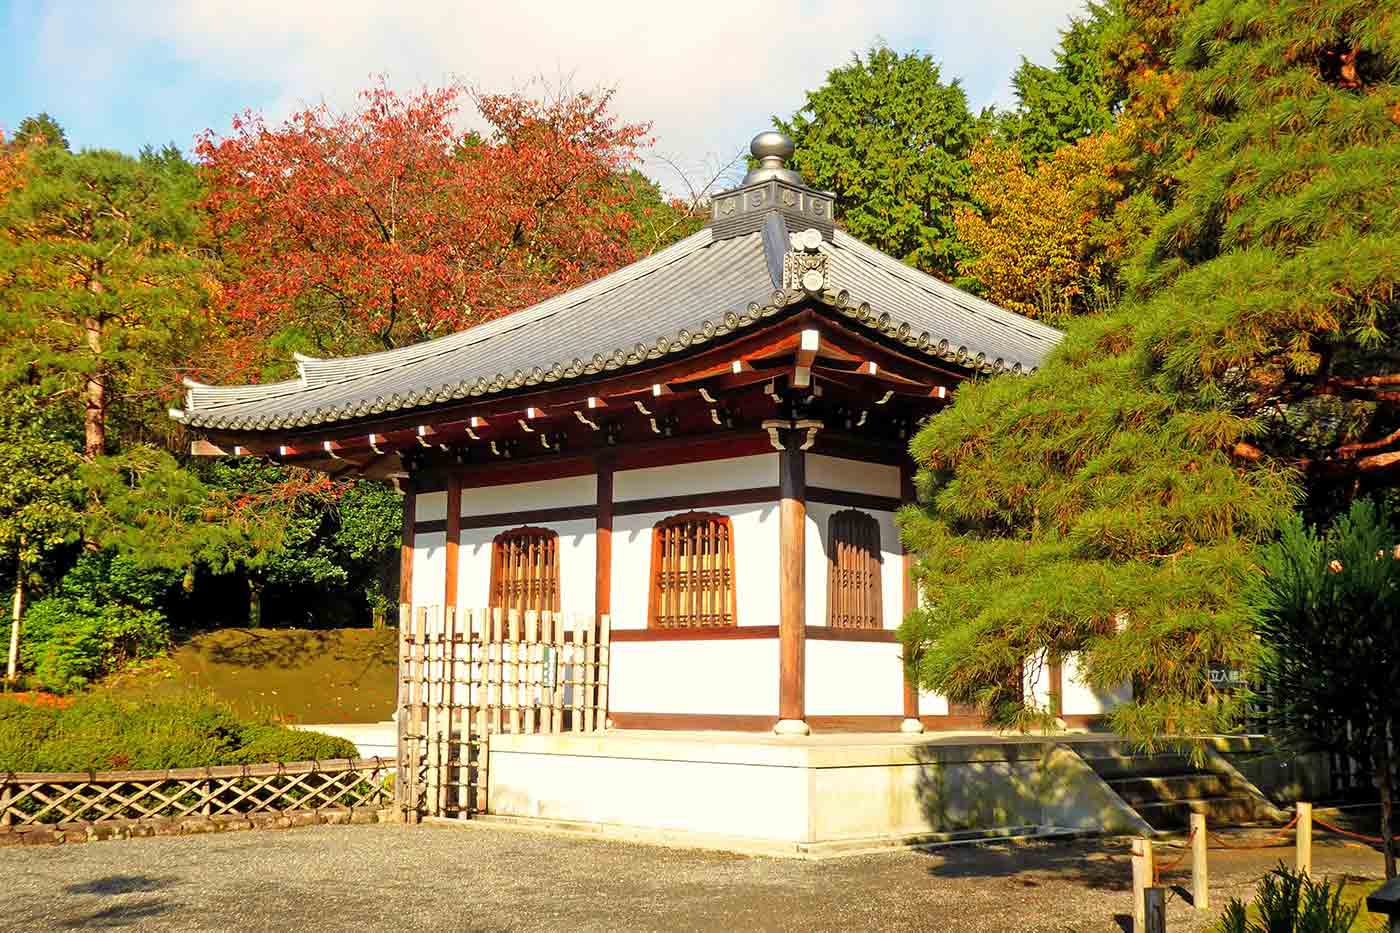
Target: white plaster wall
(932,704)
(690,478)
(877,479)
(429,567)
(1082,700)
(524,497)
(430,506)
(854,678)
(577,565)
(755,559)
(721,677)
(817,563)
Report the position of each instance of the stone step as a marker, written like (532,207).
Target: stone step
(1123,766)
(1219,811)
(1168,788)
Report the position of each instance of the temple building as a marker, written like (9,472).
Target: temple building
(708,445)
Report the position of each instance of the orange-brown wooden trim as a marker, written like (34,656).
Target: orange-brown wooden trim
(1086,721)
(1057,685)
(693,722)
(654,591)
(454,537)
(792,580)
(855,500)
(692,449)
(828,633)
(714,633)
(406,550)
(853,553)
(568,513)
(699,500)
(602,586)
(910,592)
(498,542)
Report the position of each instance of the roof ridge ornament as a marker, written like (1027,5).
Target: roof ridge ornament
(804,266)
(772,149)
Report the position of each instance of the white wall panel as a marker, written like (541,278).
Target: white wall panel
(854,678)
(878,479)
(430,506)
(690,478)
(577,565)
(720,677)
(891,563)
(1082,700)
(755,557)
(524,497)
(429,568)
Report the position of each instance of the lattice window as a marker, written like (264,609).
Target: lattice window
(525,570)
(853,574)
(692,572)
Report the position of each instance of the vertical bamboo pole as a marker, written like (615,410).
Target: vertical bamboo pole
(604,667)
(576,674)
(401,711)
(493,675)
(449,708)
(481,630)
(461,696)
(590,682)
(1142,880)
(546,670)
(1200,878)
(1305,828)
(532,668)
(560,666)
(514,677)
(416,724)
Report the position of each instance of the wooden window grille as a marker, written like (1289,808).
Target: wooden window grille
(692,572)
(853,595)
(525,570)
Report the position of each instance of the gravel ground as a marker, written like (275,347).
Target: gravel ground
(403,878)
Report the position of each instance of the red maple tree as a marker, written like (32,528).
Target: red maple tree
(390,224)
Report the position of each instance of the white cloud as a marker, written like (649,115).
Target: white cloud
(708,73)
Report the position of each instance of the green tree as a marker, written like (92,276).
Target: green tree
(1329,620)
(1117,496)
(1060,105)
(101,281)
(890,139)
(41,497)
(39,130)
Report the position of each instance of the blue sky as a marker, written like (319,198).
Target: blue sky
(708,74)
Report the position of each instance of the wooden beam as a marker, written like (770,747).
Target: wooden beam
(454,537)
(602,592)
(792,580)
(203,448)
(406,549)
(809,342)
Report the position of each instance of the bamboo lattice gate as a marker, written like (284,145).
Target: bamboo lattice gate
(465,675)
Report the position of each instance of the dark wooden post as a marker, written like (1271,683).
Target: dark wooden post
(911,722)
(406,548)
(602,596)
(792,584)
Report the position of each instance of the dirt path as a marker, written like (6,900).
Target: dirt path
(448,878)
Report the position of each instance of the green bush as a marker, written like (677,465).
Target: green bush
(100,733)
(1290,902)
(103,616)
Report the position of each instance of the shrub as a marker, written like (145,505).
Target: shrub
(100,733)
(1291,902)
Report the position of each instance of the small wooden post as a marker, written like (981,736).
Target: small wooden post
(4,802)
(1200,879)
(462,702)
(576,674)
(589,675)
(1305,828)
(547,682)
(401,713)
(558,663)
(493,676)
(516,678)
(414,788)
(532,668)
(1155,908)
(1142,880)
(604,667)
(481,628)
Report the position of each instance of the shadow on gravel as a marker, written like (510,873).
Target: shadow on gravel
(1094,868)
(119,884)
(120,915)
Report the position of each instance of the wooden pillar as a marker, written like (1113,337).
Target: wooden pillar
(910,590)
(454,537)
(406,547)
(602,594)
(1055,665)
(792,585)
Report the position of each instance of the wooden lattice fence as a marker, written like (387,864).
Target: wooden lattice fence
(28,798)
(465,675)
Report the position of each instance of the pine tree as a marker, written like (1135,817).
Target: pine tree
(1117,495)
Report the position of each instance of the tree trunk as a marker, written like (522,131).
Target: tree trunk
(12,668)
(1385,779)
(94,396)
(255,590)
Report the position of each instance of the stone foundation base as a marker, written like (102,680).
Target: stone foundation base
(61,833)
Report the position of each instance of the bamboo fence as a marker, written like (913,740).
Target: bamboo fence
(467,674)
(28,798)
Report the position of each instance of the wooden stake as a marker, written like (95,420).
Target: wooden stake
(1155,908)
(1200,879)
(589,675)
(514,676)
(604,667)
(556,724)
(1305,828)
(401,710)
(462,697)
(1142,880)
(493,676)
(414,783)
(532,668)
(576,674)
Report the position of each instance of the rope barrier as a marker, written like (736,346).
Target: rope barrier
(1278,839)
(1374,840)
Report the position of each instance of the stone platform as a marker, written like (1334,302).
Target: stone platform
(804,794)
